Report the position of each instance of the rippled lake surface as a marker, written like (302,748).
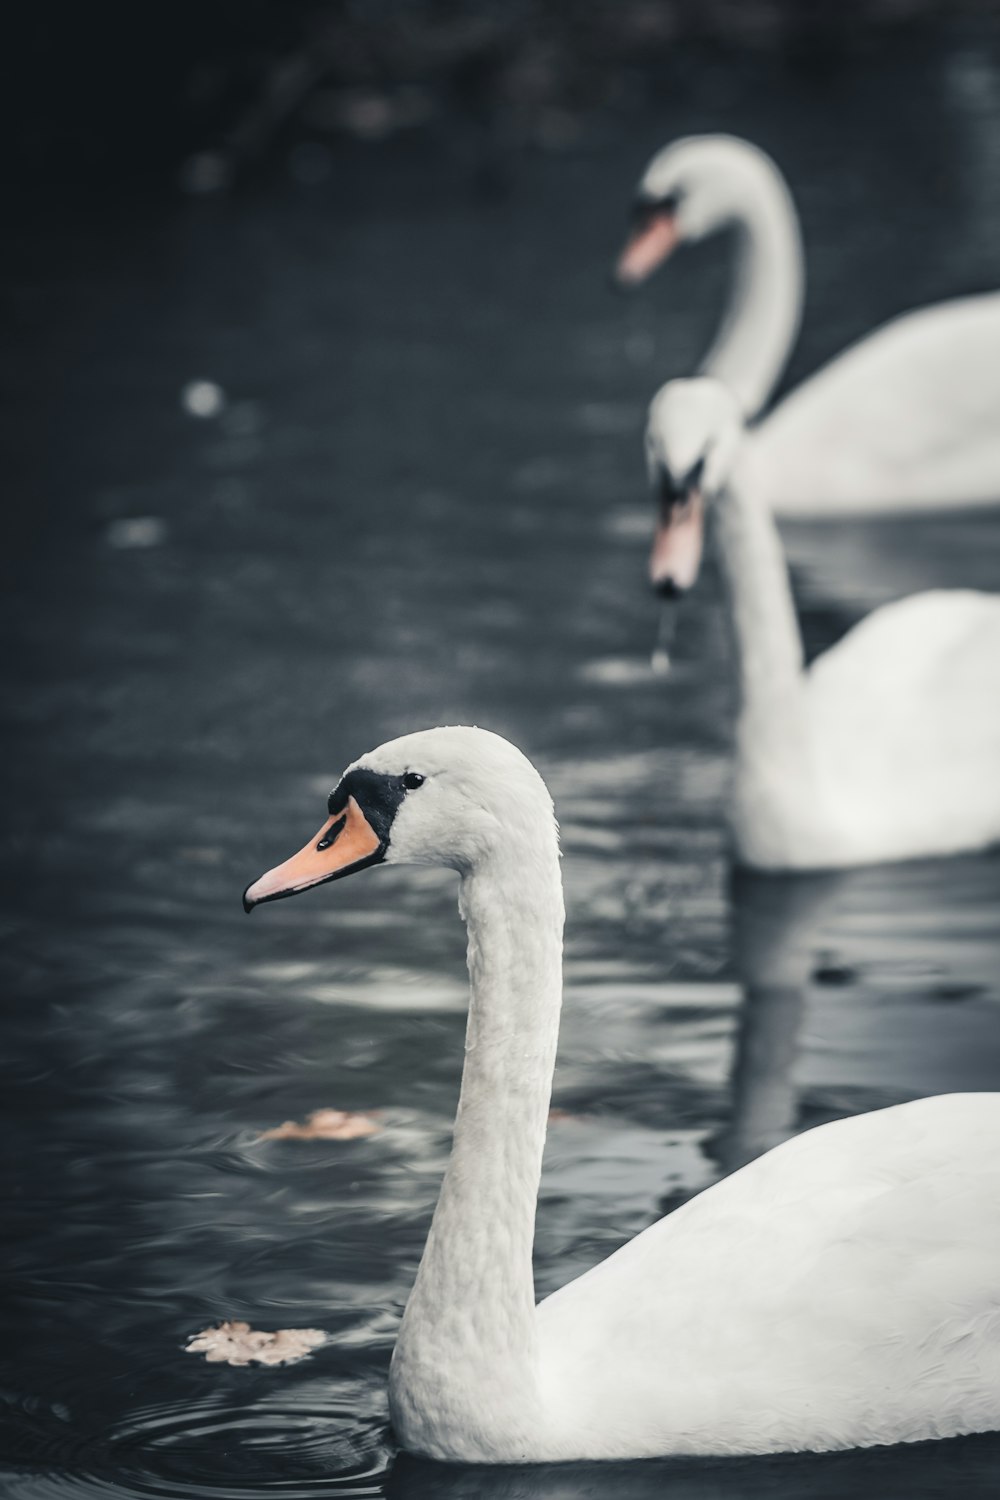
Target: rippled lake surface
(422,503)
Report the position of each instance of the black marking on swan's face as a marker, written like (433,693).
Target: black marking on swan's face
(379,797)
(674,490)
(648,205)
(361,811)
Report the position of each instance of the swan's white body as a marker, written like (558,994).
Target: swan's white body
(908,418)
(901,722)
(888,746)
(843,1290)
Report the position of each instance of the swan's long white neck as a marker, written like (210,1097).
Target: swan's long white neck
(765,628)
(765,307)
(466,1358)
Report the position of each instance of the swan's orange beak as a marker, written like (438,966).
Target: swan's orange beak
(648,247)
(677,546)
(343,844)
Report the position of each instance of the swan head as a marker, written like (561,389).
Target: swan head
(456,797)
(690,189)
(692,437)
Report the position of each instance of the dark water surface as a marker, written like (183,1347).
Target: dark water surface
(422,504)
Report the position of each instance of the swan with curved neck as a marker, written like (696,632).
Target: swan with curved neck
(888,745)
(904,419)
(841,1291)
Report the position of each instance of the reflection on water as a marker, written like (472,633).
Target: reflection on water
(927,1469)
(421,502)
(307,1440)
(861,988)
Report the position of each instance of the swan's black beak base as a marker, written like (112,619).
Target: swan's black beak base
(675,560)
(356,835)
(655,235)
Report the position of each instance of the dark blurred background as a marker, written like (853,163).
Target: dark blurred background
(140,98)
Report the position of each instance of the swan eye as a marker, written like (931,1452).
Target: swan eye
(412,780)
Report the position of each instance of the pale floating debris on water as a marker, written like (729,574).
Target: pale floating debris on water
(660,662)
(130,533)
(615,671)
(324,1125)
(237,1343)
(203,398)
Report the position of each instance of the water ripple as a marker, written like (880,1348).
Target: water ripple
(212,1449)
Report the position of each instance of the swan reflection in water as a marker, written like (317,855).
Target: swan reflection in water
(860,988)
(920,1471)
(775,922)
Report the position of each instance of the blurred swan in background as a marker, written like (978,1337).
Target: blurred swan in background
(841,1291)
(905,419)
(888,745)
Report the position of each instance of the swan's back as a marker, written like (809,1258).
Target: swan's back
(904,720)
(843,1290)
(904,419)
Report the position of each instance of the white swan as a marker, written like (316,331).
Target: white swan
(905,419)
(843,1290)
(888,745)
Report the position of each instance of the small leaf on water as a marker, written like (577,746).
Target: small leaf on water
(324,1125)
(236,1343)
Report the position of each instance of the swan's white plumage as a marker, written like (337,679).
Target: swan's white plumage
(888,746)
(892,748)
(906,419)
(842,1290)
(905,717)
